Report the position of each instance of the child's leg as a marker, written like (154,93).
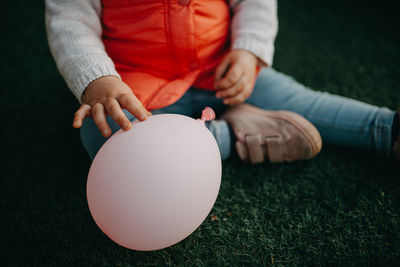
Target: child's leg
(195,100)
(339,120)
(298,139)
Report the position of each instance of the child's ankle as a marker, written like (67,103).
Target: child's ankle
(222,133)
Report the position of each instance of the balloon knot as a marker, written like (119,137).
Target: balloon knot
(207,114)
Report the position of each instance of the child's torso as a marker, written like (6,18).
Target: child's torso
(167,39)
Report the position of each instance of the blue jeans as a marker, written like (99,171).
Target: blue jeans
(340,120)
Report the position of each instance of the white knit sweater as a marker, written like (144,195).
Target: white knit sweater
(74,33)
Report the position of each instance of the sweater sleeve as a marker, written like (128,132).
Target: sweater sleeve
(254,27)
(74,35)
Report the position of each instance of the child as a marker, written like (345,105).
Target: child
(125,58)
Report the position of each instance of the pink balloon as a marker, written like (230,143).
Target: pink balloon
(152,186)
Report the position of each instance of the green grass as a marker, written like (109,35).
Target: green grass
(341,208)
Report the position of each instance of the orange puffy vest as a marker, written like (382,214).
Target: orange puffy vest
(162,47)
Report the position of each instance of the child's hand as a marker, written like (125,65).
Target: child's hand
(235,77)
(109,95)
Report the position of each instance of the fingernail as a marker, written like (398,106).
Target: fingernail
(105,132)
(125,126)
(142,117)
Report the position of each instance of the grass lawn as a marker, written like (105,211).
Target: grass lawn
(341,208)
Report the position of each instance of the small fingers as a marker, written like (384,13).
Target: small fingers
(232,77)
(134,106)
(114,110)
(239,98)
(99,118)
(80,114)
(233,90)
